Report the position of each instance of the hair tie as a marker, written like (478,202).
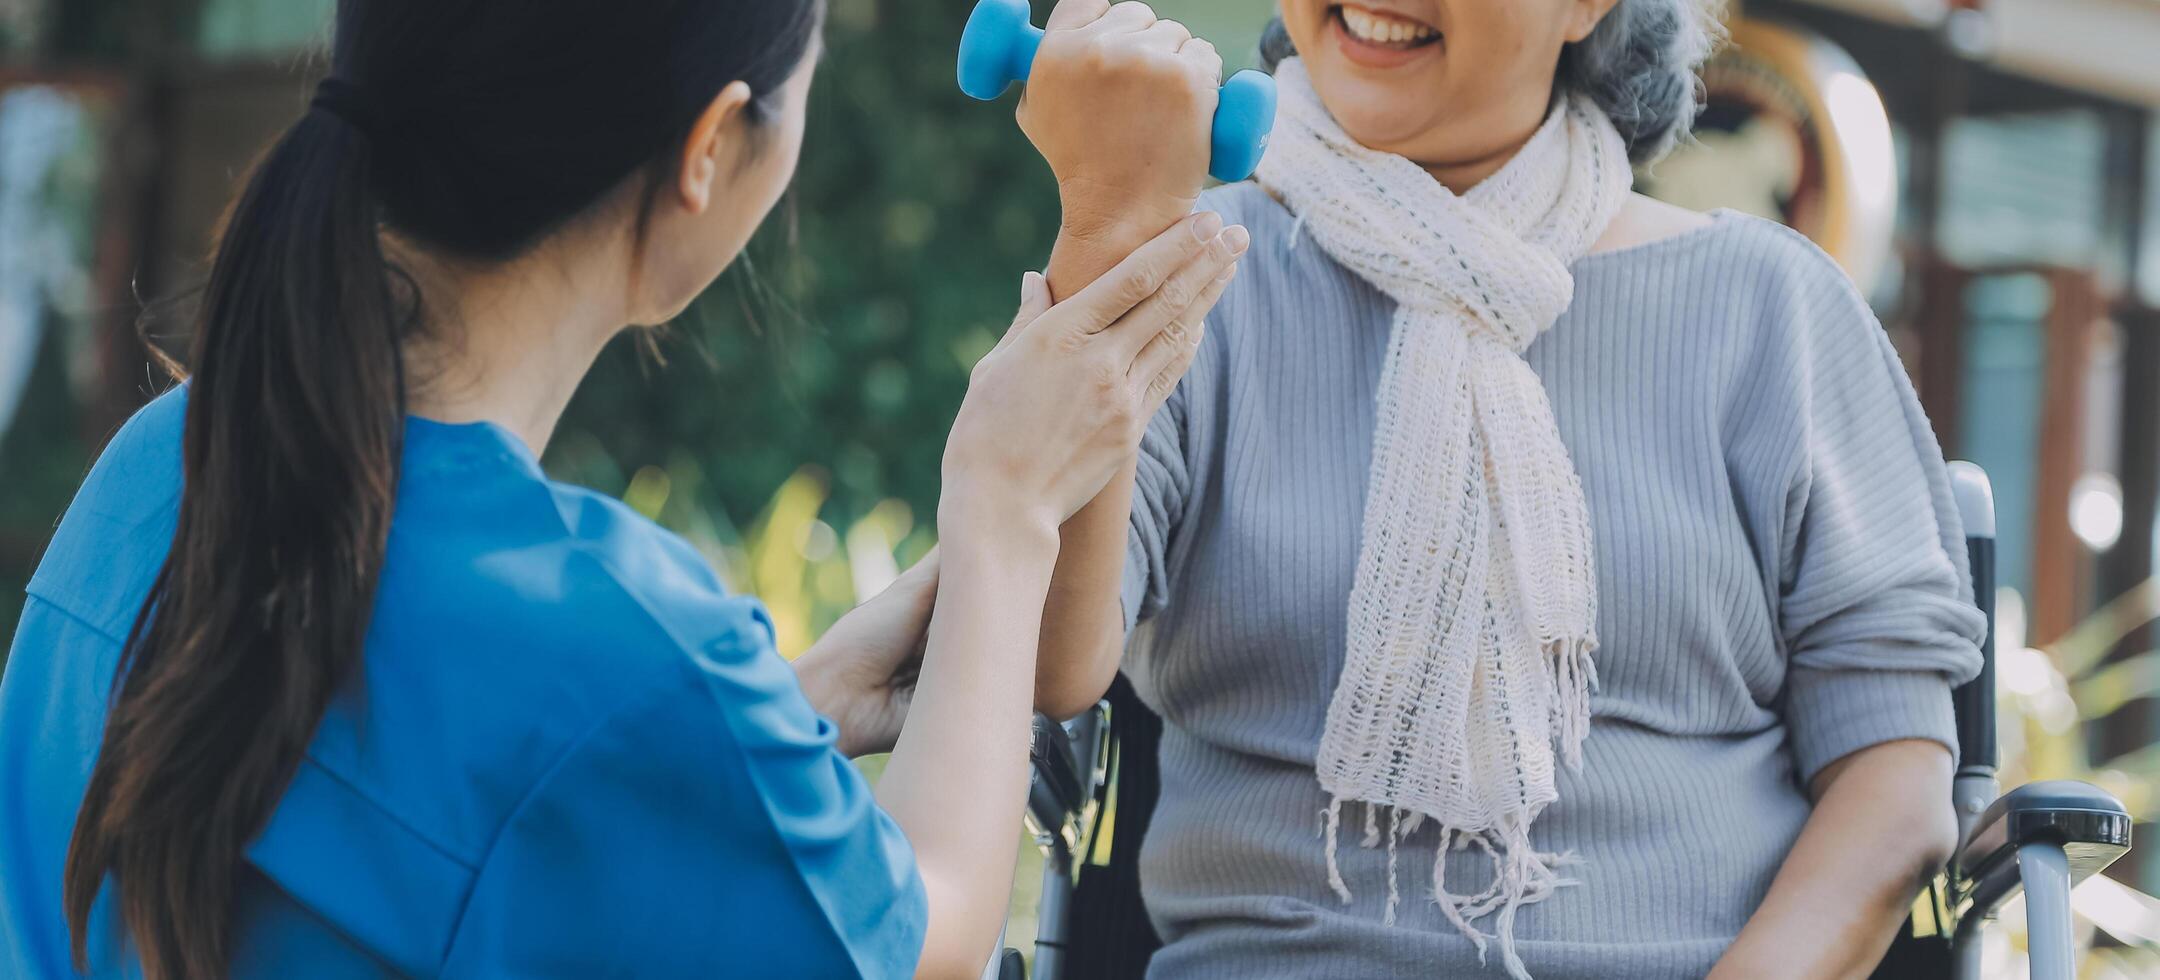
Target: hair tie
(345,100)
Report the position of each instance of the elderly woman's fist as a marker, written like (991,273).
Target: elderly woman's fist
(1121,104)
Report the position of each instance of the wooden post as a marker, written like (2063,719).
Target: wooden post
(2058,556)
(1939,319)
(1939,315)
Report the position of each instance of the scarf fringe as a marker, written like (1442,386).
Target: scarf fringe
(1574,679)
(1522,875)
(1331,821)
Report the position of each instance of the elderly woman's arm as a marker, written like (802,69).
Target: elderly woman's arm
(1882,827)
(1876,618)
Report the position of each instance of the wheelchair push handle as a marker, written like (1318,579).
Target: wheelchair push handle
(997,48)
(1977,749)
(1975,499)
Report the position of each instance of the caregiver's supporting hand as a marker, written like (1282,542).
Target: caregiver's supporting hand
(862,672)
(1050,414)
(1882,827)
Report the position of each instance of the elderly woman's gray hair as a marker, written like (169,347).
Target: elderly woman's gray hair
(1640,65)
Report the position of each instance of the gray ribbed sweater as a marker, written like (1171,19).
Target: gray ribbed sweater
(1781,582)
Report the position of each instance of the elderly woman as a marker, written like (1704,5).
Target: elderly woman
(1530,576)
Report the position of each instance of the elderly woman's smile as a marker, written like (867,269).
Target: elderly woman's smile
(1381,38)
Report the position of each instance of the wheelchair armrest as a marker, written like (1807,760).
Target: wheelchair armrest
(1055,791)
(2092,827)
(1069,763)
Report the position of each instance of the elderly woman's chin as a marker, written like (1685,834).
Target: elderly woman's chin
(1384,118)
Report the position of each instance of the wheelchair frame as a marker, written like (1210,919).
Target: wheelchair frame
(2040,839)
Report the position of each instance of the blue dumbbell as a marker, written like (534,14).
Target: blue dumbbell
(998,48)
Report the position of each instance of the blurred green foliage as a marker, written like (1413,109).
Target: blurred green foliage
(42,459)
(846,334)
(844,338)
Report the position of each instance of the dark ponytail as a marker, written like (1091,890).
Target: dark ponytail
(294,416)
(472,128)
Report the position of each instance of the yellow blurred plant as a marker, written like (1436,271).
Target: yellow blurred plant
(2048,696)
(805,571)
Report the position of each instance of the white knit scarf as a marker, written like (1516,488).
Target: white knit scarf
(1473,614)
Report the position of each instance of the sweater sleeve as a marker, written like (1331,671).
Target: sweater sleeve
(1876,611)
(1159,491)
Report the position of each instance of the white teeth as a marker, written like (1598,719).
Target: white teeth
(1383,29)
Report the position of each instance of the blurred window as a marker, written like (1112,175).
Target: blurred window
(262,28)
(2005,350)
(2025,188)
(48,195)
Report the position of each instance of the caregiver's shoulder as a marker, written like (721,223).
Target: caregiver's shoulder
(522,623)
(630,594)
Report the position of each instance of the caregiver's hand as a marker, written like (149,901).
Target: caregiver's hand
(1120,104)
(1060,404)
(862,672)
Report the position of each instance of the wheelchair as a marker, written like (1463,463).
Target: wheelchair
(2040,839)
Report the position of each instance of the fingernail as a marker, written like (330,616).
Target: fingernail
(1207,226)
(1229,272)
(1031,285)
(1238,239)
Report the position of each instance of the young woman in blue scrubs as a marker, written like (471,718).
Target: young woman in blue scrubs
(322,677)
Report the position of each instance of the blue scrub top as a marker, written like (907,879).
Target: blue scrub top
(568,751)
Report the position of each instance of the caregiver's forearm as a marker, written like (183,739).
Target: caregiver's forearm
(1882,827)
(958,776)
(1083,627)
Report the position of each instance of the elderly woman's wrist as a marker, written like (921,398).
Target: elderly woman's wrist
(1093,212)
